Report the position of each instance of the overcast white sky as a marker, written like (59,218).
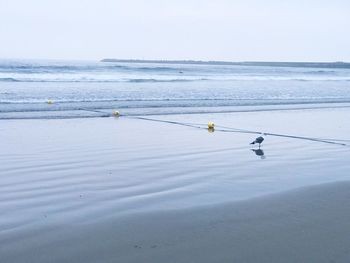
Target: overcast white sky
(236,30)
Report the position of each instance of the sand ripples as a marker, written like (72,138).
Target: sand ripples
(80,171)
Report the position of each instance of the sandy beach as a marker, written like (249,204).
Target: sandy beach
(131,190)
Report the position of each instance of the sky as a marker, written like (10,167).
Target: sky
(229,30)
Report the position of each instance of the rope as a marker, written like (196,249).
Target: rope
(235,130)
(231,129)
(105,114)
(329,141)
(198,126)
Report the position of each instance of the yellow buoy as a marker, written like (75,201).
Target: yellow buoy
(116,113)
(211,125)
(49,101)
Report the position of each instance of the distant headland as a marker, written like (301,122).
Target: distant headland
(337,64)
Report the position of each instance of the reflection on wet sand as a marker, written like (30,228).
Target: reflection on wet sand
(259,152)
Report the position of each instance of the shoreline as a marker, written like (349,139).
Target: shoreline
(166,111)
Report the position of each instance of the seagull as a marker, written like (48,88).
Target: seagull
(258,140)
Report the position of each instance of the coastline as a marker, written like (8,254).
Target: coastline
(338,64)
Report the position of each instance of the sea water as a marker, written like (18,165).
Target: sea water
(90,89)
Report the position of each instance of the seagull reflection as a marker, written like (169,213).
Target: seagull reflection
(259,152)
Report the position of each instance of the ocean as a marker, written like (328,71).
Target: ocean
(94,89)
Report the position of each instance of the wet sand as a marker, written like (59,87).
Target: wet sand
(307,225)
(127,190)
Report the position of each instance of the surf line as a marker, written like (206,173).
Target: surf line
(202,126)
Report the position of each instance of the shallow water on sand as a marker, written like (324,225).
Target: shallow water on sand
(84,170)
